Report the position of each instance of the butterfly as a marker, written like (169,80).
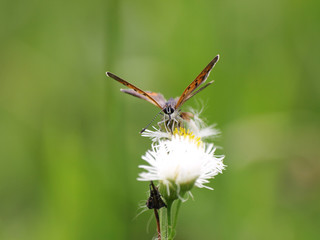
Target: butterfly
(170,108)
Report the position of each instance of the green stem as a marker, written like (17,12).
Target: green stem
(163,223)
(176,214)
(174,224)
(169,229)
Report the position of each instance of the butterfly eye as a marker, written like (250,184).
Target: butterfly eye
(168,110)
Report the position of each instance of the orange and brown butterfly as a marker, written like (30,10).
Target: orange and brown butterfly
(170,108)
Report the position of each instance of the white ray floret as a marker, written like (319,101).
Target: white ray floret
(181,161)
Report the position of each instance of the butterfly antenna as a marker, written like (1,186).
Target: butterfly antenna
(150,122)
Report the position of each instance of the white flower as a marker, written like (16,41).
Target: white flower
(155,135)
(196,125)
(181,162)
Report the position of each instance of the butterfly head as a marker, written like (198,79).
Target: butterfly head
(169,107)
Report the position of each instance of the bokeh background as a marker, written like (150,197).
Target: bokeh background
(69,142)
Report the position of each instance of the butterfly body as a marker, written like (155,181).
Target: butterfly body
(170,108)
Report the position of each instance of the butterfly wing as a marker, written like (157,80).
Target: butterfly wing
(200,79)
(158,97)
(140,93)
(194,93)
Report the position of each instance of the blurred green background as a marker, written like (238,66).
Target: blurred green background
(69,142)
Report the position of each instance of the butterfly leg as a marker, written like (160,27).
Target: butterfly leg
(167,124)
(171,123)
(163,123)
(175,122)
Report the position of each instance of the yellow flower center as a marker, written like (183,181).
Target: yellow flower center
(188,135)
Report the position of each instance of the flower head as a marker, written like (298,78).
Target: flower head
(180,162)
(195,124)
